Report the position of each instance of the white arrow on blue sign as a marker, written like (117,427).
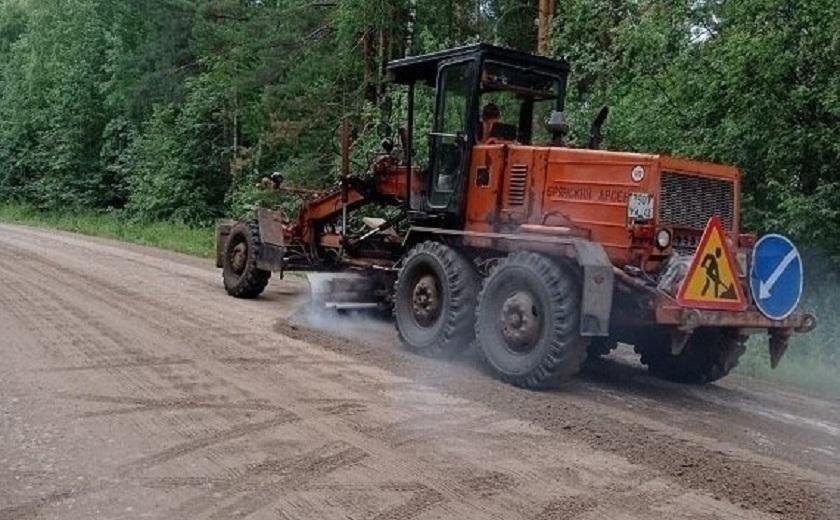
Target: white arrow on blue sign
(776,276)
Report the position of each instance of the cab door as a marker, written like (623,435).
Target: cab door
(451,139)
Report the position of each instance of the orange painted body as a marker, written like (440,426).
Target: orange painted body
(575,192)
(389,182)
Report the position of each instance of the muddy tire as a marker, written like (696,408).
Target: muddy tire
(710,354)
(527,321)
(434,300)
(242,277)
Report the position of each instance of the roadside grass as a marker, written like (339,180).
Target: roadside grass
(165,235)
(796,369)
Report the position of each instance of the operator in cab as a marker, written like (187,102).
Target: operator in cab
(492,129)
(490,115)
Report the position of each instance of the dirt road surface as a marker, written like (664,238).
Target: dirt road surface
(131,386)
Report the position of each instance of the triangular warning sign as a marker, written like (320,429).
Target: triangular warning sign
(712,280)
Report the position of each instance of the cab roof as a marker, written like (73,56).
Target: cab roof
(424,67)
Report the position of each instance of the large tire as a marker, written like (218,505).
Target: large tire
(434,300)
(242,277)
(710,354)
(528,321)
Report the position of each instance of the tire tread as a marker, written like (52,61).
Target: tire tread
(567,350)
(457,332)
(253,280)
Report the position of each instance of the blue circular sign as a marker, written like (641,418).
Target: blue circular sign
(776,276)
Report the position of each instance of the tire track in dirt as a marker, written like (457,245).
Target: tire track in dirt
(256,486)
(145,309)
(454,490)
(410,449)
(319,364)
(176,451)
(91,337)
(744,482)
(421,499)
(135,297)
(185,448)
(140,307)
(33,508)
(139,405)
(284,474)
(57,309)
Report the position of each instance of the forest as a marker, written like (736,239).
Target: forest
(172,110)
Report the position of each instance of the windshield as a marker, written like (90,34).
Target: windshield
(523,81)
(514,103)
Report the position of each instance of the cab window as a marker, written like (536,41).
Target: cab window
(513,104)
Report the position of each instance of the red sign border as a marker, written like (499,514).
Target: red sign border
(741,304)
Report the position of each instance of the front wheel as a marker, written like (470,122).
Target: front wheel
(528,319)
(242,277)
(434,300)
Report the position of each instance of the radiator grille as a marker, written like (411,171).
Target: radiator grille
(688,201)
(517,184)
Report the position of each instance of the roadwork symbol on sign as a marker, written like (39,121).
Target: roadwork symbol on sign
(712,280)
(776,276)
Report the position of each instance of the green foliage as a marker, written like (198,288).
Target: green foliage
(174,109)
(801,371)
(753,83)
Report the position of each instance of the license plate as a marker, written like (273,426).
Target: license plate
(640,206)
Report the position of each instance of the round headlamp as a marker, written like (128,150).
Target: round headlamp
(663,238)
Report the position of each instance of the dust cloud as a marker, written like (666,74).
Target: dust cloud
(352,324)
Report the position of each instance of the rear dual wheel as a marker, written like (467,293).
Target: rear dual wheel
(434,301)
(527,321)
(710,354)
(526,318)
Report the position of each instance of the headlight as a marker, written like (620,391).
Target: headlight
(663,238)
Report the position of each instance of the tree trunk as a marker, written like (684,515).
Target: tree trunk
(546,15)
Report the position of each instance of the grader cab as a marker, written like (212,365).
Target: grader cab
(505,236)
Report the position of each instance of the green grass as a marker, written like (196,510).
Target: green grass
(165,235)
(795,369)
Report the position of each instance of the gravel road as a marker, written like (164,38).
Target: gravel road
(131,386)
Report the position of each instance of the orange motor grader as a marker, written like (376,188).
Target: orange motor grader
(539,253)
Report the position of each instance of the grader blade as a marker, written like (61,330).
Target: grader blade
(342,291)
